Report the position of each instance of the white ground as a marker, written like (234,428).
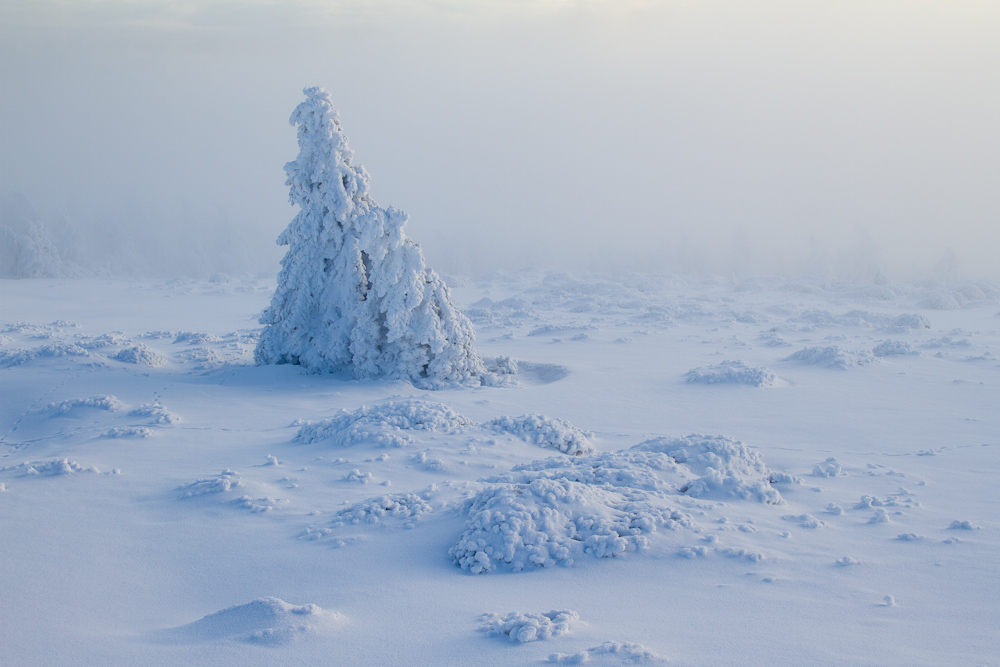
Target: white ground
(158,508)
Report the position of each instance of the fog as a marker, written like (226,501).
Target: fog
(729,137)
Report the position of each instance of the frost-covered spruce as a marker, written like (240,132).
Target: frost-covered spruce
(353,293)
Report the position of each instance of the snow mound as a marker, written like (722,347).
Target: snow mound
(528,627)
(620,652)
(403,507)
(51,468)
(221,483)
(893,348)
(127,432)
(544,432)
(266,621)
(726,468)
(733,372)
(383,425)
(156,412)
(140,355)
(553,511)
(831,356)
(16,357)
(109,403)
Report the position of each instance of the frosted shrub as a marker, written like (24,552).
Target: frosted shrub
(353,293)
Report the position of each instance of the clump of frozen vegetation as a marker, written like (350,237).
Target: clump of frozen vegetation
(16,357)
(726,468)
(226,481)
(30,248)
(894,348)
(267,621)
(831,356)
(544,432)
(157,412)
(384,425)
(141,355)
(733,372)
(51,468)
(109,403)
(528,627)
(553,511)
(623,652)
(121,432)
(354,293)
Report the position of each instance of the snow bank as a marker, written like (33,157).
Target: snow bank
(544,432)
(266,621)
(528,627)
(732,372)
(383,425)
(354,293)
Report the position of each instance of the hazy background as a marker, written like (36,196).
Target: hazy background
(726,136)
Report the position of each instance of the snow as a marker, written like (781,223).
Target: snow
(354,293)
(164,514)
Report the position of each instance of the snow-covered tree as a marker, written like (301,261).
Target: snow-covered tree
(354,293)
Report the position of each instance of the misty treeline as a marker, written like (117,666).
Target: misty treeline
(134,241)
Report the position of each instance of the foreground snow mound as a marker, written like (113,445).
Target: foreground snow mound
(544,432)
(725,468)
(733,372)
(551,512)
(141,355)
(267,621)
(354,293)
(831,356)
(384,425)
(522,627)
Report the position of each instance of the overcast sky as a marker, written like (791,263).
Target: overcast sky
(727,136)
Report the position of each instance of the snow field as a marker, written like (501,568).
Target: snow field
(852,509)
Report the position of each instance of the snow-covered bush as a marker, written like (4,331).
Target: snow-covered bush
(354,293)
(726,468)
(383,425)
(554,511)
(528,627)
(893,348)
(141,355)
(733,372)
(544,432)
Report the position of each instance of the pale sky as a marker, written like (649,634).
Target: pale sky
(727,136)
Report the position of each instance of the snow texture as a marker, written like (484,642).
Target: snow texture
(528,627)
(544,432)
(354,293)
(266,621)
(109,403)
(383,425)
(620,652)
(141,355)
(732,372)
(727,468)
(831,356)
